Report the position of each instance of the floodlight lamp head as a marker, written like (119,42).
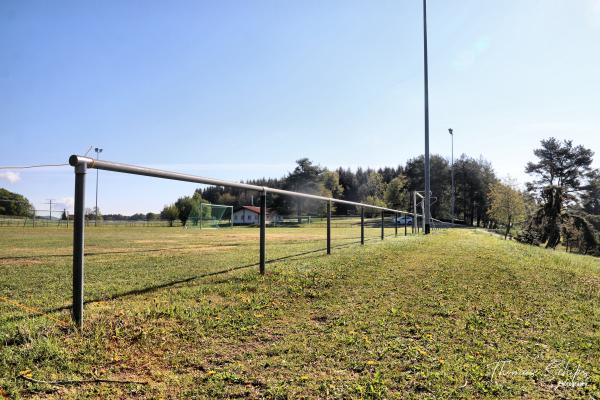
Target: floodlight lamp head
(98,150)
(450,130)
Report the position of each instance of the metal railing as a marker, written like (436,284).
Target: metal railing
(82,163)
(36,218)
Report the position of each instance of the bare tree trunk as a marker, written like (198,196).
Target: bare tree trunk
(508,227)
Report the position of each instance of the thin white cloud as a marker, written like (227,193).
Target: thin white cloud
(10,176)
(68,202)
(61,169)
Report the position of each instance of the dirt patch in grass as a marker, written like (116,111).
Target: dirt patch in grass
(156,241)
(20,262)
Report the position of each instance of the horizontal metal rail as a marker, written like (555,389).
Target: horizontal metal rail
(82,163)
(76,160)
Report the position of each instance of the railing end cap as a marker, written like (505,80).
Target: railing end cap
(74,160)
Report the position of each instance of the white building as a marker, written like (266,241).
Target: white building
(250,215)
(247,215)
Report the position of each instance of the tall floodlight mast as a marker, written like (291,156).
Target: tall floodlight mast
(452,174)
(427,205)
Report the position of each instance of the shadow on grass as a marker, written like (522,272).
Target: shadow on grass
(177,282)
(103,253)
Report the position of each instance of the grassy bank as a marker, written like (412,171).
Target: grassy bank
(459,314)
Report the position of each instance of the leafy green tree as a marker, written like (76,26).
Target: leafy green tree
(374,187)
(590,197)
(439,180)
(93,214)
(396,193)
(349,183)
(389,173)
(89,213)
(375,201)
(14,204)
(561,165)
(473,178)
(331,183)
(227,199)
(170,213)
(187,206)
(507,205)
(152,216)
(558,175)
(331,186)
(578,231)
(306,178)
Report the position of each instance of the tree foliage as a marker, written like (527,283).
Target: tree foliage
(439,182)
(389,186)
(187,206)
(507,205)
(473,178)
(396,193)
(559,174)
(559,164)
(152,216)
(312,179)
(14,204)
(170,213)
(590,197)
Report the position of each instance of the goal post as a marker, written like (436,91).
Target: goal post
(208,215)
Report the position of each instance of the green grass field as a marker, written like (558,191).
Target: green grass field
(458,314)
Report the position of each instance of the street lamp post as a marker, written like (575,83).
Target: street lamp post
(427,204)
(452,172)
(98,151)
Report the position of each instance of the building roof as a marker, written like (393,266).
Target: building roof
(253,209)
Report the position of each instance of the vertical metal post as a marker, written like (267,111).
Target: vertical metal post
(78,246)
(424,220)
(329,227)
(396,224)
(263,225)
(299,211)
(362,225)
(452,174)
(427,199)
(382,216)
(201,215)
(415,222)
(405,229)
(96,208)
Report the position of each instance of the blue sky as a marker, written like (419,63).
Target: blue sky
(241,89)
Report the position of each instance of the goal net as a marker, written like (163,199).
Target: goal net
(211,216)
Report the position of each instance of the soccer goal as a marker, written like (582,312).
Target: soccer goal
(211,216)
